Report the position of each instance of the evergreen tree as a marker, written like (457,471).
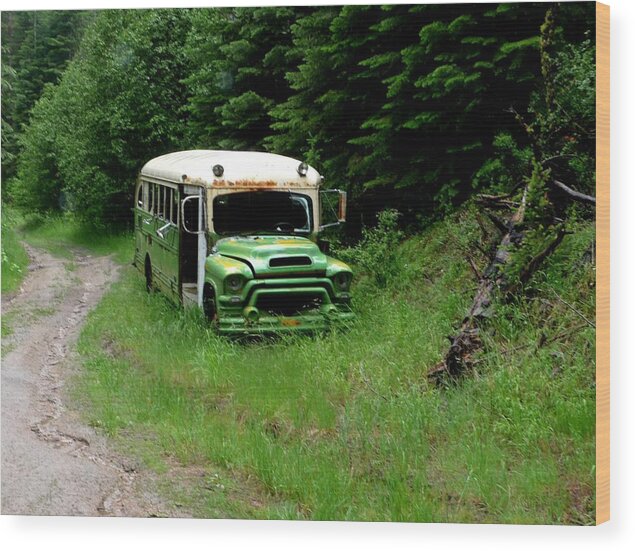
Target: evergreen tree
(404,106)
(38,46)
(239,60)
(9,136)
(118,104)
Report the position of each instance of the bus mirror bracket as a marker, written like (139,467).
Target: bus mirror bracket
(341,208)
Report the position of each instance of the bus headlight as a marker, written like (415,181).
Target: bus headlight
(234,283)
(342,281)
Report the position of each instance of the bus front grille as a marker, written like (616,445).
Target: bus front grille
(288,305)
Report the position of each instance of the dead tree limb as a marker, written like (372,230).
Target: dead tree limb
(543,340)
(537,260)
(462,346)
(475,270)
(574,309)
(507,195)
(481,225)
(573,193)
(500,225)
(466,342)
(496,201)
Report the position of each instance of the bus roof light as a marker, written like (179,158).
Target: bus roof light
(303,168)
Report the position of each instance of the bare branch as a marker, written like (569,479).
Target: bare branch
(537,260)
(476,271)
(573,308)
(554,157)
(497,201)
(500,225)
(575,194)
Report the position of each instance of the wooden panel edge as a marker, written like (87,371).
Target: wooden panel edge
(602,416)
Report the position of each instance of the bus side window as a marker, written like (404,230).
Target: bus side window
(151,198)
(160,201)
(140,196)
(168,204)
(164,212)
(175,207)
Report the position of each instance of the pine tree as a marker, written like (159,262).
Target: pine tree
(399,103)
(9,135)
(38,46)
(405,106)
(239,60)
(455,80)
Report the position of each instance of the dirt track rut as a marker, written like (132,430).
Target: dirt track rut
(52,463)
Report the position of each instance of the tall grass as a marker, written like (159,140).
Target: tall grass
(56,233)
(14,257)
(344,425)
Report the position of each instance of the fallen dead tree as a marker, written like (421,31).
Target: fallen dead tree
(458,359)
(531,223)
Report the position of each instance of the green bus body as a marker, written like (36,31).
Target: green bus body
(193,214)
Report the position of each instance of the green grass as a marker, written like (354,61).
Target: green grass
(56,233)
(345,425)
(6,324)
(14,257)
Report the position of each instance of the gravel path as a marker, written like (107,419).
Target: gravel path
(52,463)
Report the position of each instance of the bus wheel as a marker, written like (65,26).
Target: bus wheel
(209,305)
(148,272)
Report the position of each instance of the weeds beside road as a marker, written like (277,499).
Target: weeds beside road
(344,425)
(14,257)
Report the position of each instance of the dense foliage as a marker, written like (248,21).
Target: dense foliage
(36,48)
(405,106)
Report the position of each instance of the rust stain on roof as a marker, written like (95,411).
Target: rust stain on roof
(250,184)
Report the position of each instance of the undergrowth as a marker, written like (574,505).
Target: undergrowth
(344,425)
(14,257)
(56,233)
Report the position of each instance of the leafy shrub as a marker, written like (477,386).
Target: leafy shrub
(377,252)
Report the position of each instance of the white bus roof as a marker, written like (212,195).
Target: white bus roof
(240,169)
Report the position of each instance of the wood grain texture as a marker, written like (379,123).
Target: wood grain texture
(602,428)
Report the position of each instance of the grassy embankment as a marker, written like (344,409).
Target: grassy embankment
(60,234)
(14,257)
(345,425)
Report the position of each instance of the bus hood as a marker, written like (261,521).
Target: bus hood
(275,256)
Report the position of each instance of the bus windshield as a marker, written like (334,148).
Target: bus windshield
(262,211)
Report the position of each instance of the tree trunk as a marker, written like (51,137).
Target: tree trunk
(462,346)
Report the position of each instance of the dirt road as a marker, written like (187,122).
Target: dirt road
(52,463)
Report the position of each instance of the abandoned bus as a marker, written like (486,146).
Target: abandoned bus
(236,234)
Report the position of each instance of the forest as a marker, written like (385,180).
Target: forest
(411,107)
(464,135)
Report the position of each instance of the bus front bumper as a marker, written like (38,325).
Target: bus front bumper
(269,324)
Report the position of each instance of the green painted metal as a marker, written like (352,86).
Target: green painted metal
(163,252)
(249,257)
